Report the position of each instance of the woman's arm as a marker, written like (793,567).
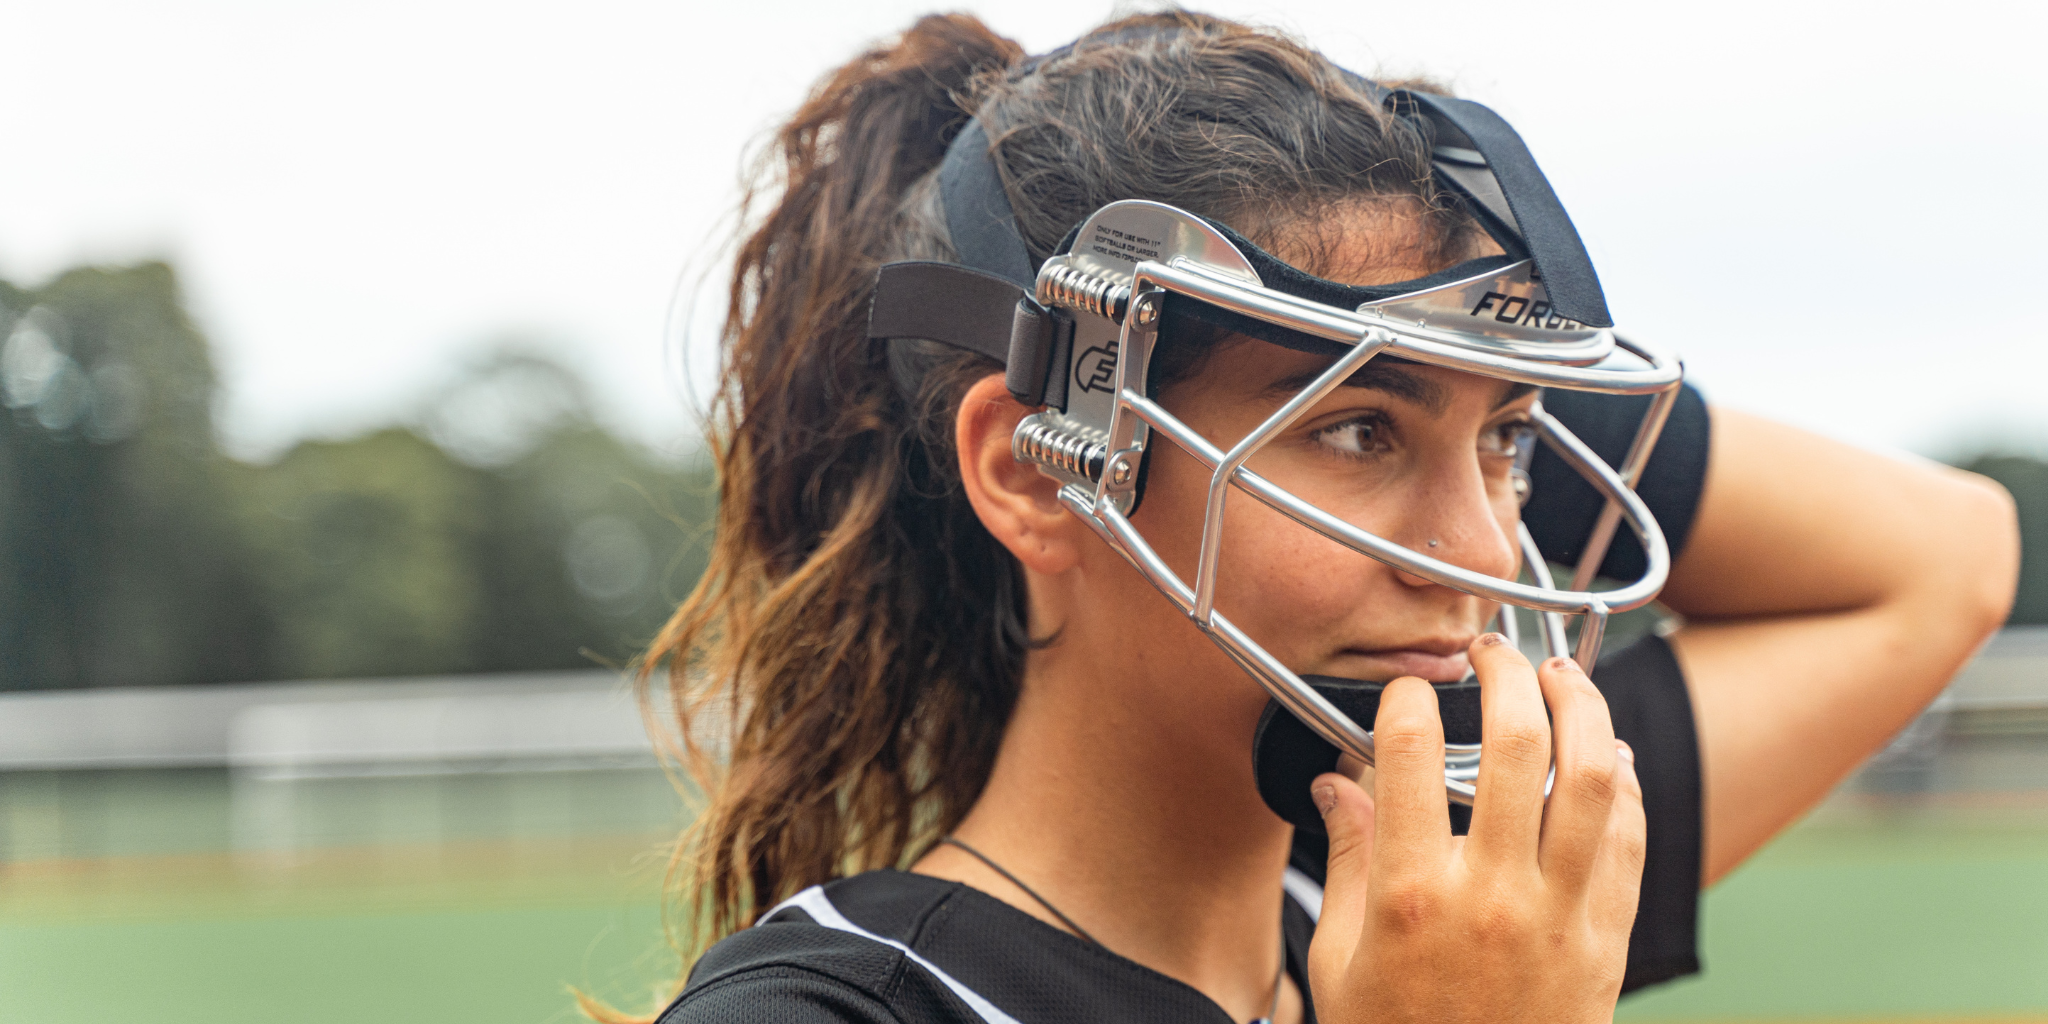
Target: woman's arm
(1829,594)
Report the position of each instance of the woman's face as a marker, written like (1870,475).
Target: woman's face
(1416,454)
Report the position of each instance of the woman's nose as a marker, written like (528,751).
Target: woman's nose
(1453,520)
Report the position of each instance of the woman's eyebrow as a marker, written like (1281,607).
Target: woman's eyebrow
(1393,380)
(1386,377)
(1514,390)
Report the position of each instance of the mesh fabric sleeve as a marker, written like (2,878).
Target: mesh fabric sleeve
(778,995)
(1652,711)
(1563,506)
(790,971)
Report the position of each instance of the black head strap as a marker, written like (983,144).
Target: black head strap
(1481,157)
(1546,232)
(985,304)
(989,292)
(981,312)
(978,213)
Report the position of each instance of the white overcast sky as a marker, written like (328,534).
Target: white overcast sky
(1835,211)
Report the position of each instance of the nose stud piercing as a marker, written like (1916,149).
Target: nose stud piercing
(1432,542)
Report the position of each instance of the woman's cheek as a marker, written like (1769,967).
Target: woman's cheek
(1287,584)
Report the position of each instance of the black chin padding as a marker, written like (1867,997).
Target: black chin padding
(1287,755)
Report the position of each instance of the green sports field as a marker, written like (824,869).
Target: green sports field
(176,899)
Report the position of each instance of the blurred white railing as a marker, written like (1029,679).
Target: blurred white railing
(566,720)
(519,721)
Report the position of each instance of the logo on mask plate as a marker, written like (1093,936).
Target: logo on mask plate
(1096,369)
(1514,309)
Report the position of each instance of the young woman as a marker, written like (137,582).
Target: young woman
(917,676)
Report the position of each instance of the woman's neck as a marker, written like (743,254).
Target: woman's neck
(1140,822)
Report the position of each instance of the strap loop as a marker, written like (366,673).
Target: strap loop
(1040,341)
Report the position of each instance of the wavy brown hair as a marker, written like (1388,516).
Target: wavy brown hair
(840,679)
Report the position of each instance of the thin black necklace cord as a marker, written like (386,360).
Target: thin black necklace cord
(1028,891)
(1082,932)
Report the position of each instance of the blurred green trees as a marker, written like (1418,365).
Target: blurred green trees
(504,530)
(501,530)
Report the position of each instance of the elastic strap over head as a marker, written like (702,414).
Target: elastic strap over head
(1535,215)
(978,213)
(1482,158)
(1476,154)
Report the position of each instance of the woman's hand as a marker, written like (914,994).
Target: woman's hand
(1525,919)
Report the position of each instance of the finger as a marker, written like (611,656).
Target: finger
(1576,817)
(1412,816)
(1617,881)
(1514,759)
(1348,819)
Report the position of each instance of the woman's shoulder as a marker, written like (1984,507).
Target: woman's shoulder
(792,967)
(783,993)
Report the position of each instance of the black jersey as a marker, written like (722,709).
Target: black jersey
(923,933)
(890,946)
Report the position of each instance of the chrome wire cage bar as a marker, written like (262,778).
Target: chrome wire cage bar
(1631,471)
(1552,623)
(1369,335)
(1420,343)
(1538,598)
(1134,415)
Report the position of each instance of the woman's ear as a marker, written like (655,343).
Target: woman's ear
(1019,505)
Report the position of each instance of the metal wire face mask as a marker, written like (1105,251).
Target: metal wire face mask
(1133,259)
(1081,341)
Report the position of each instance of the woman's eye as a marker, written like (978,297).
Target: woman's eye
(1507,440)
(1361,436)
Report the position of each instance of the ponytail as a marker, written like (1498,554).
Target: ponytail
(842,674)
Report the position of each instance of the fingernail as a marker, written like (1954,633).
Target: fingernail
(1492,640)
(1326,799)
(1624,751)
(1563,662)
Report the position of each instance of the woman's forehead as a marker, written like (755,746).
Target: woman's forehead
(1378,240)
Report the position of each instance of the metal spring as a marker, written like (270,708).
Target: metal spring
(1047,445)
(1064,285)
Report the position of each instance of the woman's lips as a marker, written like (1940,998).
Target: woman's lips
(1392,663)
